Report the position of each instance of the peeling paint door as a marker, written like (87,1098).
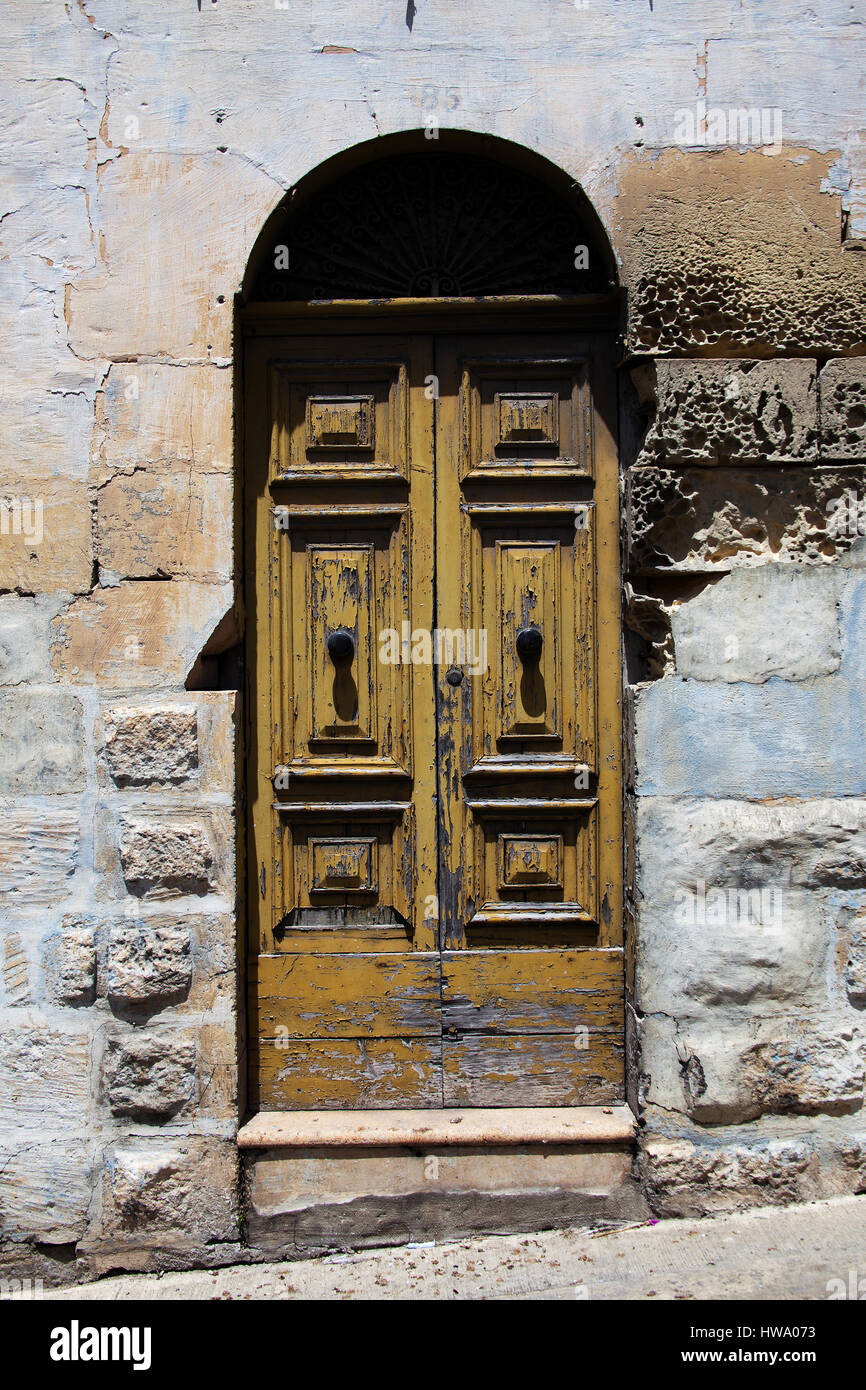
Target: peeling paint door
(434,860)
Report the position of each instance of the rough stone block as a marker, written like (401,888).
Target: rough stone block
(726,518)
(734,1075)
(69,958)
(46,541)
(730,412)
(148,964)
(47,1190)
(41,741)
(171,1191)
(687,1179)
(155,523)
(145,745)
(130,635)
(843,408)
(779,620)
(855,965)
(149,1077)
(16,973)
(162,858)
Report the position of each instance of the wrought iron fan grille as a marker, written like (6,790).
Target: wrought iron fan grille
(422,225)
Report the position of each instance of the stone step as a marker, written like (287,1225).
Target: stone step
(337,1180)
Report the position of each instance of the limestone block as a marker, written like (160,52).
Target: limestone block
(38,856)
(843,408)
(148,1076)
(730,1075)
(44,1079)
(218,714)
(162,858)
(16,971)
(731,412)
(46,541)
(733,910)
(160,418)
(146,745)
(779,620)
(24,633)
(126,636)
(158,523)
(687,1179)
(47,1190)
(725,518)
(148,964)
(171,1190)
(780,738)
(69,959)
(195,251)
(41,741)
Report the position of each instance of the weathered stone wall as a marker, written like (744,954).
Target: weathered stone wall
(144,147)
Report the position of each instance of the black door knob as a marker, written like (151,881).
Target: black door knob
(341,645)
(529,642)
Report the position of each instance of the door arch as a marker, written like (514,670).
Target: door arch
(433,673)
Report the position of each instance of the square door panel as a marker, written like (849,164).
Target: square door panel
(358,858)
(524,418)
(339,420)
(534,870)
(341,865)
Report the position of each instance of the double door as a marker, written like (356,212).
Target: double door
(433,706)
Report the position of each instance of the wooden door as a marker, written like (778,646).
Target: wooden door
(434,784)
(530,837)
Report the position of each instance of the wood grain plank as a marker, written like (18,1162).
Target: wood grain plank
(350,1074)
(349,996)
(551,991)
(536,1069)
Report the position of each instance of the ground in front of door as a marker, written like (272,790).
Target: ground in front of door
(814,1251)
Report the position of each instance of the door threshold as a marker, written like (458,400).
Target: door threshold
(583,1124)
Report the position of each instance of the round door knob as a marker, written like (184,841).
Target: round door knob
(341,645)
(529,641)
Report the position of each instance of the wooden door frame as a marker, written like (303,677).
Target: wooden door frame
(594,317)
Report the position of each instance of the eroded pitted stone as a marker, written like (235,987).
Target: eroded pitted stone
(716,411)
(730,517)
(69,958)
(166,858)
(148,964)
(145,745)
(843,409)
(149,1076)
